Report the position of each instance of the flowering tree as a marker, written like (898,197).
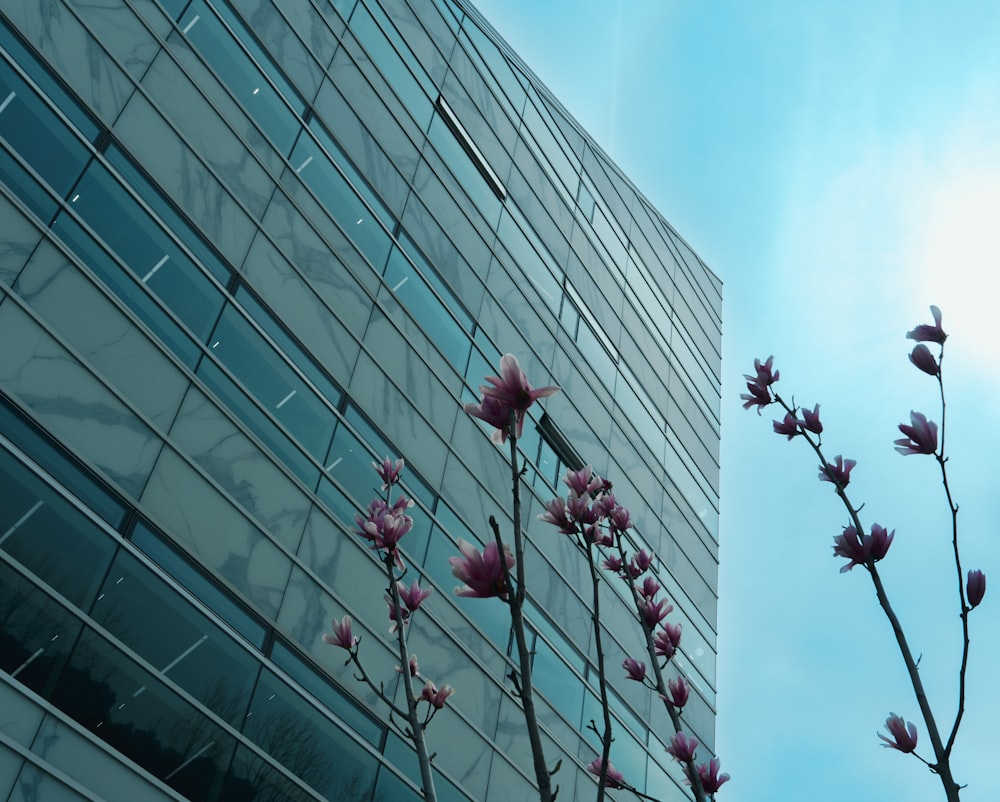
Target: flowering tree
(866,548)
(384,526)
(597,523)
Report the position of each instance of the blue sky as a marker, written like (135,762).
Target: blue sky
(838,166)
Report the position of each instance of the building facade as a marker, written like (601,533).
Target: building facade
(246,248)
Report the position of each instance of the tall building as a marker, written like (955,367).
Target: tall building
(246,248)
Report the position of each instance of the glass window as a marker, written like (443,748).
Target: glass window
(172,219)
(517,242)
(36,634)
(253,779)
(243,407)
(141,611)
(60,465)
(206,591)
(396,62)
(135,713)
(325,691)
(302,360)
(466,172)
(244,72)
(413,292)
(553,678)
(38,136)
(252,360)
(306,743)
(57,542)
(340,199)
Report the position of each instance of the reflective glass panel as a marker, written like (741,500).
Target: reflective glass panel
(156,623)
(243,75)
(39,137)
(44,532)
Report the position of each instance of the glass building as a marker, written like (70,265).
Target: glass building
(247,247)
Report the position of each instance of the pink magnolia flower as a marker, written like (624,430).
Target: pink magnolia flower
(578,509)
(412,665)
(667,639)
(508,394)
(612,563)
(613,777)
(811,420)
(584,481)
(555,514)
(711,780)
(679,692)
(838,472)
(758,384)
(389,471)
(635,669)
(412,596)
(620,518)
(921,436)
(788,427)
(342,635)
(650,587)
(682,747)
(482,573)
(652,613)
(921,357)
(435,696)
(926,333)
(904,734)
(975,587)
(860,549)
(403,614)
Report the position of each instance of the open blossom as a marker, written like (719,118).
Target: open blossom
(904,734)
(584,481)
(613,777)
(838,472)
(389,471)
(612,563)
(652,613)
(860,549)
(789,426)
(412,665)
(811,420)
(650,587)
(975,587)
(635,669)
(679,692)
(482,573)
(921,435)
(926,333)
(620,518)
(711,780)
(555,514)
(682,747)
(412,596)
(667,639)
(758,385)
(435,696)
(921,357)
(342,635)
(507,394)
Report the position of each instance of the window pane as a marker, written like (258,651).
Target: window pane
(34,132)
(269,378)
(40,529)
(310,746)
(156,623)
(156,261)
(191,578)
(30,440)
(138,715)
(244,79)
(36,634)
